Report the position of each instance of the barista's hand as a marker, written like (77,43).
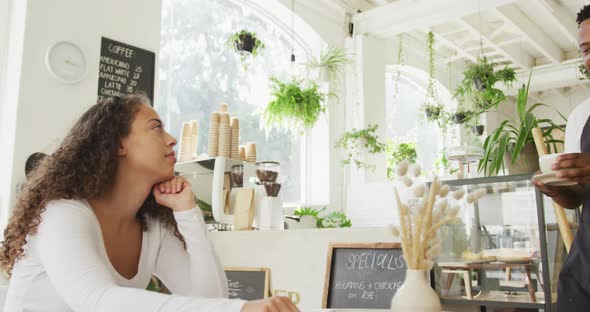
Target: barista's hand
(273,304)
(175,193)
(548,190)
(574,167)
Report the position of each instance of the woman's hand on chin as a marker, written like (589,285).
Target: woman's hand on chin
(175,193)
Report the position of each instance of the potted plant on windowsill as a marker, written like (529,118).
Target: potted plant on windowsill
(245,43)
(511,144)
(297,105)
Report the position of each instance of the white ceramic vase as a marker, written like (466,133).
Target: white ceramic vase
(415,294)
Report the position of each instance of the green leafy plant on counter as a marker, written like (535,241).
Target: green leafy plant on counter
(331,61)
(334,219)
(357,141)
(294,106)
(246,43)
(396,153)
(513,134)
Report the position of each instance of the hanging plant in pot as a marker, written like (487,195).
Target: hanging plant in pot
(330,64)
(297,105)
(246,44)
(511,144)
(479,84)
(356,142)
(433,110)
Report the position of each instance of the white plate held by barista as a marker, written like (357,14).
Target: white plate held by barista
(551,179)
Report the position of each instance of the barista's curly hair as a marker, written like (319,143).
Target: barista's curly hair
(583,15)
(83,167)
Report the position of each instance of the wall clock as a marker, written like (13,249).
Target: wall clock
(66,62)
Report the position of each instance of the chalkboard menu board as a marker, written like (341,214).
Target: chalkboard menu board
(364,276)
(248,283)
(125,69)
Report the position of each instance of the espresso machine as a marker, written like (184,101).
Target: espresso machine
(242,195)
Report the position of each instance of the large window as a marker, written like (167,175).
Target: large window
(198,71)
(405,122)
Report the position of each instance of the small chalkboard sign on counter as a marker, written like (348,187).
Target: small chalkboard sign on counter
(125,69)
(363,275)
(248,283)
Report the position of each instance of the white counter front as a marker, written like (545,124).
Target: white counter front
(297,258)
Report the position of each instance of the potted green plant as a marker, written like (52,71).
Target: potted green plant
(479,83)
(432,107)
(335,219)
(396,153)
(330,64)
(511,144)
(295,106)
(357,141)
(308,217)
(245,43)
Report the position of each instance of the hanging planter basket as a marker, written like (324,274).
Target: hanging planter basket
(478,130)
(432,113)
(245,43)
(478,84)
(460,117)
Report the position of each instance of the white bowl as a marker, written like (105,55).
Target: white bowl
(547,161)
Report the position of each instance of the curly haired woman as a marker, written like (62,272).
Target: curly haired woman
(104,213)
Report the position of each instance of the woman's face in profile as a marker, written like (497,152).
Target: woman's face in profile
(148,147)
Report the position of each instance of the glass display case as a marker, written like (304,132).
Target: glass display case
(504,249)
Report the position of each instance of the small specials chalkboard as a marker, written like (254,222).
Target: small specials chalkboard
(125,69)
(248,283)
(363,275)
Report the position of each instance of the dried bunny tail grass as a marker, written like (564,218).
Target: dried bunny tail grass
(479,193)
(471,198)
(420,190)
(402,168)
(444,191)
(416,170)
(407,181)
(443,205)
(424,220)
(395,231)
(437,186)
(458,194)
(405,224)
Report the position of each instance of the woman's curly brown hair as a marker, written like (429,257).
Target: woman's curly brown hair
(82,167)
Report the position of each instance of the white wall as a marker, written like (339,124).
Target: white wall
(46,108)
(9,86)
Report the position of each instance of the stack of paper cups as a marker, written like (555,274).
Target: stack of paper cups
(184,150)
(235,139)
(242,153)
(251,152)
(223,108)
(194,139)
(223,148)
(213,150)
